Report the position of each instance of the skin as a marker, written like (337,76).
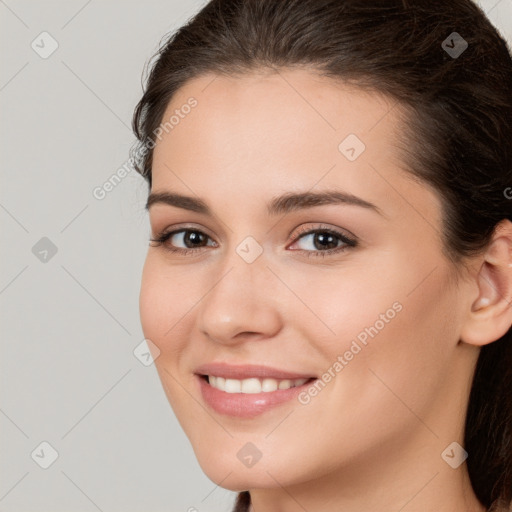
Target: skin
(372,438)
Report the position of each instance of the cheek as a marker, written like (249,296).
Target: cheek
(163,308)
(160,302)
(167,308)
(338,306)
(404,355)
(394,331)
(151,300)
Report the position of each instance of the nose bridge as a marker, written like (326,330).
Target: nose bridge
(242,268)
(240,298)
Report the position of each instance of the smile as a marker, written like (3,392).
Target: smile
(252,385)
(250,397)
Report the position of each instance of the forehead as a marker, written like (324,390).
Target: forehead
(295,116)
(270,132)
(290,104)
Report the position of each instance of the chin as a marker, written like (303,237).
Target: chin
(229,473)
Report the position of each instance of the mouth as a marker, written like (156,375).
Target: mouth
(253,385)
(249,397)
(248,390)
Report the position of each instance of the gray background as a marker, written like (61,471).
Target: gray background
(70,320)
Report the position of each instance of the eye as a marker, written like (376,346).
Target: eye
(192,239)
(324,241)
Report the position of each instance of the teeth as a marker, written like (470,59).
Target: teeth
(285,384)
(233,386)
(253,385)
(269,385)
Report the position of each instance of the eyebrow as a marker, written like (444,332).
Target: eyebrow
(282,204)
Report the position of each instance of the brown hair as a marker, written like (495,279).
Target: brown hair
(458,136)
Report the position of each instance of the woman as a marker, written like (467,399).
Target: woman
(328,285)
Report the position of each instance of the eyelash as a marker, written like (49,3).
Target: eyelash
(163,237)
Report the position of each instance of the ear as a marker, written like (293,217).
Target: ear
(490,316)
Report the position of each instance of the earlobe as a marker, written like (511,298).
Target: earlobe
(490,316)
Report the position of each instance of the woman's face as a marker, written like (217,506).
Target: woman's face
(358,297)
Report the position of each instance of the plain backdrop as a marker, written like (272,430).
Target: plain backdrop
(76,393)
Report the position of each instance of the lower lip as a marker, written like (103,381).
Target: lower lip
(246,405)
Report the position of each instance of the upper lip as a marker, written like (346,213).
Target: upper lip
(248,371)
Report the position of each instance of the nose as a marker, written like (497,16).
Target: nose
(242,303)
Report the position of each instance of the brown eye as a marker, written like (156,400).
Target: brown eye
(190,238)
(323,242)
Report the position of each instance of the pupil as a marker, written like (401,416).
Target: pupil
(193,237)
(325,239)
